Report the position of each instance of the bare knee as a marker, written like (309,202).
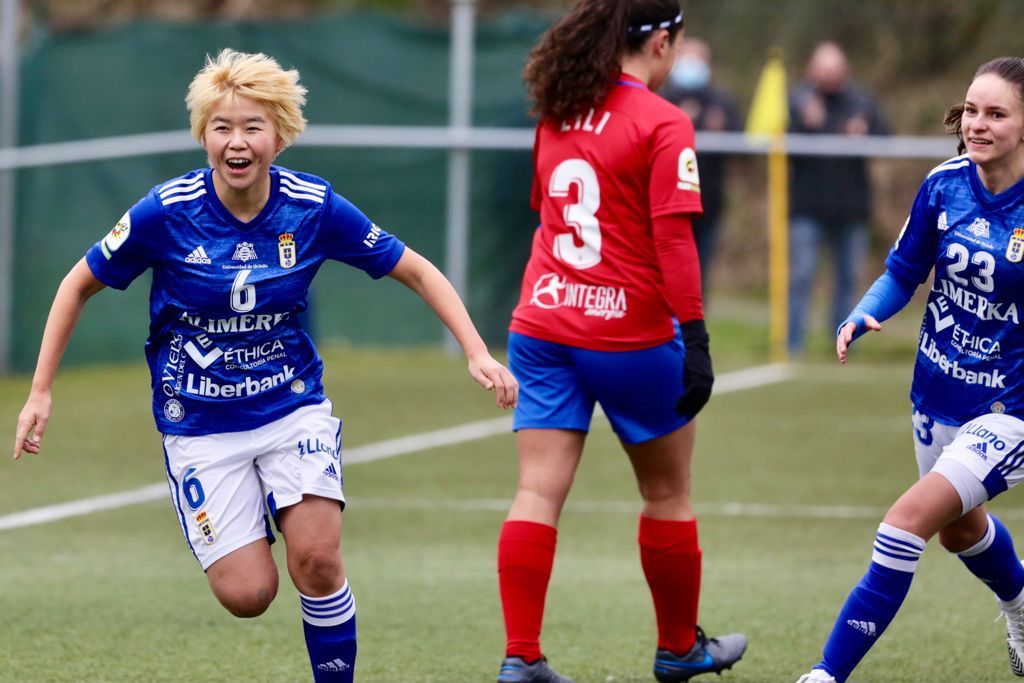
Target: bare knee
(246,598)
(929,506)
(965,532)
(317,572)
(245,581)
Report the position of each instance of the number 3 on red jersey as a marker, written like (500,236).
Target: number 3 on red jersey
(581,216)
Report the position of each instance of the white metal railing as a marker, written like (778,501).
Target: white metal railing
(466,138)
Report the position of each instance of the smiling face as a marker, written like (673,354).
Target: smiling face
(992,125)
(241,143)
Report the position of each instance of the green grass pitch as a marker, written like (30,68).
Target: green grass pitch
(116,596)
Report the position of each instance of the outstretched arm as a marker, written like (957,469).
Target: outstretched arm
(76,288)
(886,297)
(422,277)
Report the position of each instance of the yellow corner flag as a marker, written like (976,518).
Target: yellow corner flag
(769,112)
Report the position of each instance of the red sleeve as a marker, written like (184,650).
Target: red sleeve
(674,182)
(680,269)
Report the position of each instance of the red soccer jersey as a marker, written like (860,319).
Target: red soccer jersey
(593,279)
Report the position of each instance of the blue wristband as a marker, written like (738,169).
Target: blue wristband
(887,296)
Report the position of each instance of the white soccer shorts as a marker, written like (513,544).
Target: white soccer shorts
(223,485)
(981,458)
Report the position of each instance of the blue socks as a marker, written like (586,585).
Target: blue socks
(329,624)
(874,601)
(993,559)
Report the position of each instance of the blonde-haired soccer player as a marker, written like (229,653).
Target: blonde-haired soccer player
(248,434)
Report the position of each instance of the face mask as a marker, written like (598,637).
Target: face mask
(690,74)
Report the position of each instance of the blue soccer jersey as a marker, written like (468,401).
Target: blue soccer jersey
(971,348)
(226,351)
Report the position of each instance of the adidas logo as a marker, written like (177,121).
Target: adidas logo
(331,472)
(981,449)
(942,225)
(198,255)
(336,666)
(865,627)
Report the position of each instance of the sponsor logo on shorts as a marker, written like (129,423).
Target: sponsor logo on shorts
(311,446)
(173,410)
(985,434)
(979,449)
(205,526)
(331,472)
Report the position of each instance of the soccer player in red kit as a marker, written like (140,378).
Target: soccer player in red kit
(610,312)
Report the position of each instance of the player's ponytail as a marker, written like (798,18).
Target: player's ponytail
(1010,69)
(573,65)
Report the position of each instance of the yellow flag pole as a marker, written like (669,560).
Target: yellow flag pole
(768,119)
(778,248)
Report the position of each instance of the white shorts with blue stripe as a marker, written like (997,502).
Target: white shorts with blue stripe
(226,487)
(981,458)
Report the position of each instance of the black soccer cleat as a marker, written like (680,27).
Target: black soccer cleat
(706,655)
(517,670)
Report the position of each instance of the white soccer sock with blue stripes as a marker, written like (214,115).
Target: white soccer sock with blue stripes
(329,624)
(874,601)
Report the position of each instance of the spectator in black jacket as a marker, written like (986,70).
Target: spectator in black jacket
(712,109)
(830,197)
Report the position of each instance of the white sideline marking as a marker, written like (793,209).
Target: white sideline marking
(472,431)
(631,507)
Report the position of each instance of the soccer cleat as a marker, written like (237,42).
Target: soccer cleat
(816,676)
(1014,636)
(516,670)
(706,655)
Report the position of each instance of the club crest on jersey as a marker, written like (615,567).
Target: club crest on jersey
(286,249)
(117,236)
(205,526)
(1015,249)
(244,251)
(979,228)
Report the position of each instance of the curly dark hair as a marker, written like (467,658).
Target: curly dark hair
(572,65)
(1010,69)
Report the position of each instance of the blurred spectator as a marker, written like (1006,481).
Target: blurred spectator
(830,197)
(711,108)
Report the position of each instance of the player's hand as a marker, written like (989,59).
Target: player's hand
(848,332)
(493,376)
(698,376)
(32,423)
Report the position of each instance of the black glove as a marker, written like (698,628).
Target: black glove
(697,373)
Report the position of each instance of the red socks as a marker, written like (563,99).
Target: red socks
(526,552)
(670,557)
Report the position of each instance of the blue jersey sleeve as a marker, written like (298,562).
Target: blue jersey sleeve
(911,259)
(354,239)
(123,254)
